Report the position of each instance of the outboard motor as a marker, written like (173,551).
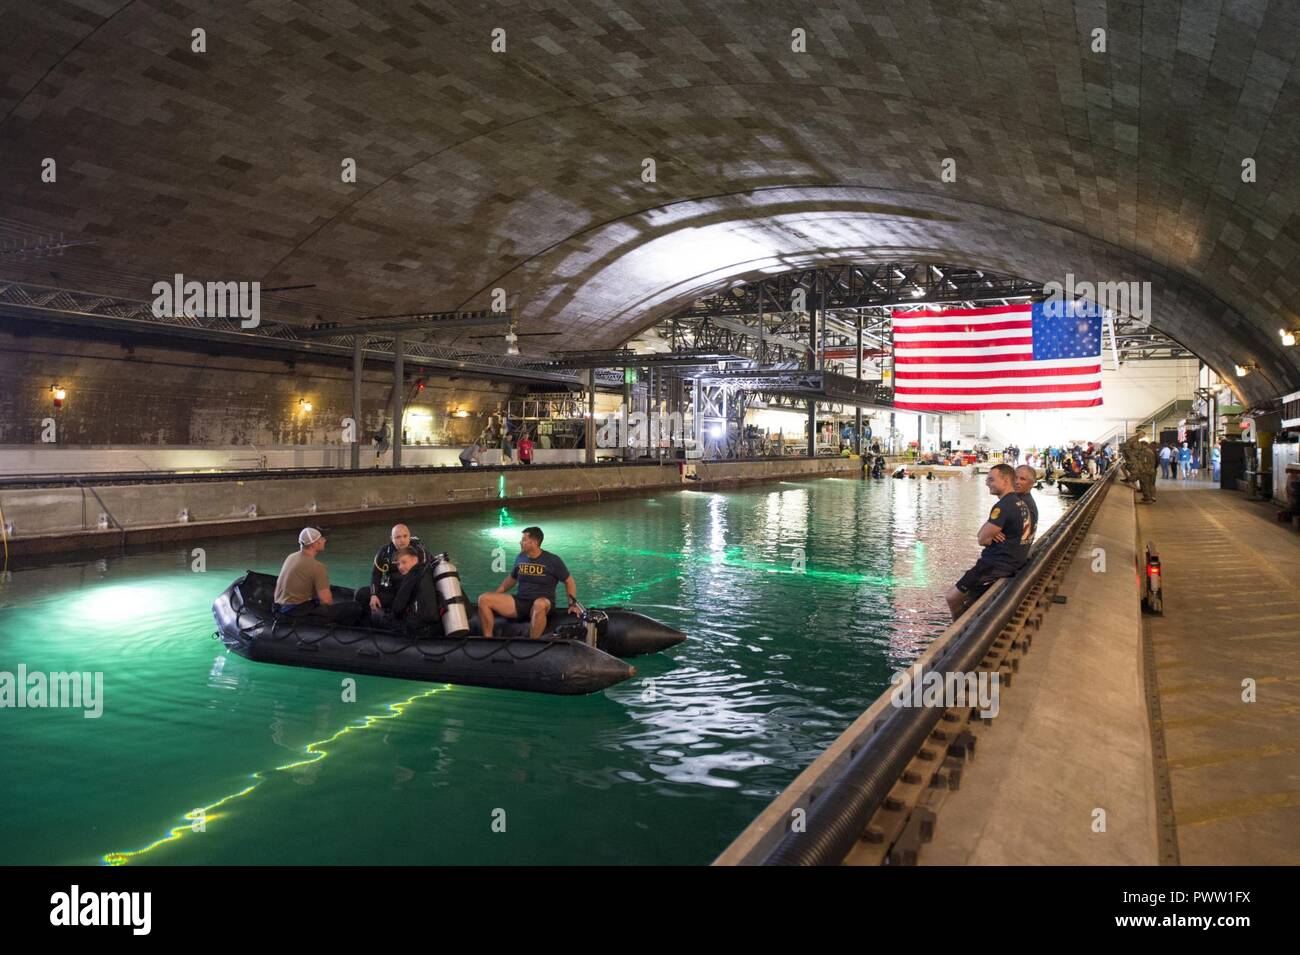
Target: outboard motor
(589,627)
(451,596)
(596,622)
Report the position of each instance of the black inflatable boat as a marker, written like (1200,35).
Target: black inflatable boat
(562,661)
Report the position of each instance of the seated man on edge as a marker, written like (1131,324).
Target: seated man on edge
(1003,537)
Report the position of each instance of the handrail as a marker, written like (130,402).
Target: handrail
(107,512)
(844,805)
(1155,417)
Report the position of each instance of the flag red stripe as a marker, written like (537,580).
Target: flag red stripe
(996,406)
(965,359)
(1004,373)
(949,329)
(944,313)
(967,344)
(1000,389)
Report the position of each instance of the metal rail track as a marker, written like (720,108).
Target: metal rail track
(873,797)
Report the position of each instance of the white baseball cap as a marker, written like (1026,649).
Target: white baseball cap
(309,536)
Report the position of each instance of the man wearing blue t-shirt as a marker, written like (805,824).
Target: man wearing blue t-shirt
(537,572)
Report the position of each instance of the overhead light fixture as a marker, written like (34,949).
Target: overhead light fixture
(512,340)
(1241,370)
(1288,338)
(917,292)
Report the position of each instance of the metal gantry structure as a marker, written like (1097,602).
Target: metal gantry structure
(822,337)
(806,338)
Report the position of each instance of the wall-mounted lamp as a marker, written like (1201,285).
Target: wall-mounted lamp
(512,341)
(304,406)
(1244,370)
(57,394)
(1288,338)
(460,413)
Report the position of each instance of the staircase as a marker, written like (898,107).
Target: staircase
(1171,411)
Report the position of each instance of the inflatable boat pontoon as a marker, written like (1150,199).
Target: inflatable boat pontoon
(563,661)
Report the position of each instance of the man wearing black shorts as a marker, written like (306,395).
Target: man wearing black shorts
(1005,538)
(537,572)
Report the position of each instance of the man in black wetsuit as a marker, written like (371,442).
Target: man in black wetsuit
(384,575)
(415,605)
(1003,537)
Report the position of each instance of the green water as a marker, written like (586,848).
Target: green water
(800,599)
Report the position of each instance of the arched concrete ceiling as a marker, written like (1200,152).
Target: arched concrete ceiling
(523,169)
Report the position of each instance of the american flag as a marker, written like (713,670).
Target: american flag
(1012,357)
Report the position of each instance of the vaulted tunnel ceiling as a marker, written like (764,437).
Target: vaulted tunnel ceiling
(523,169)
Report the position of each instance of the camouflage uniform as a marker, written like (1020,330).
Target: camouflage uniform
(1130,455)
(1145,458)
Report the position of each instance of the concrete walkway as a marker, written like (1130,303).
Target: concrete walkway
(1072,741)
(1232,613)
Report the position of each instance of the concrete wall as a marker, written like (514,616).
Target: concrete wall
(45,460)
(64,518)
(155,396)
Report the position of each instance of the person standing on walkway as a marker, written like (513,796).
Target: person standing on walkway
(1166,458)
(1184,461)
(1145,457)
(1129,454)
(469,457)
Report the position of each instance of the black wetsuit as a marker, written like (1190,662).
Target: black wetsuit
(384,575)
(415,604)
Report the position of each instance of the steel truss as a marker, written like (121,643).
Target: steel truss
(840,296)
(26,301)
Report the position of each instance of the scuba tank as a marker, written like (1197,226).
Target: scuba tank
(451,596)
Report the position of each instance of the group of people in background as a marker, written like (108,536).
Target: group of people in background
(509,446)
(1178,462)
(1081,461)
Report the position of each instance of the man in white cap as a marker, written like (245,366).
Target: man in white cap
(303,587)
